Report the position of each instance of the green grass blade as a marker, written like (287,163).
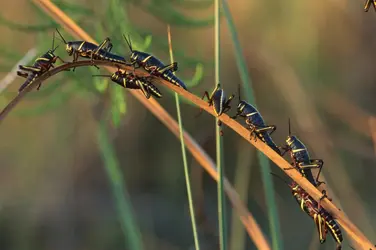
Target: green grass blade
(128,224)
(28,27)
(238,236)
(197,77)
(219,148)
(184,154)
(168,14)
(264,163)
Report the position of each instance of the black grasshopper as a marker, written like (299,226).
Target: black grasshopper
(41,65)
(323,220)
(154,66)
(132,81)
(90,50)
(256,123)
(301,158)
(218,100)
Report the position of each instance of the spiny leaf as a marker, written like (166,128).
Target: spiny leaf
(118,107)
(28,27)
(147,43)
(101,84)
(197,77)
(119,16)
(168,14)
(185,61)
(73,8)
(47,23)
(193,4)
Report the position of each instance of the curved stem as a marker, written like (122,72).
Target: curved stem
(154,107)
(247,219)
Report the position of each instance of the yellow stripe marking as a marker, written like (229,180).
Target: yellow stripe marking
(250,114)
(147,58)
(80,47)
(298,150)
(42,59)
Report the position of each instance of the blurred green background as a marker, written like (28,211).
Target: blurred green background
(312,61)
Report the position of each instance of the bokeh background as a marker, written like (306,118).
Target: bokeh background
(312,61)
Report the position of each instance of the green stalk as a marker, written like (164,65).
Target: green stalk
(184,154)
(219,148)
(128,224)
(241,184)
(264,163)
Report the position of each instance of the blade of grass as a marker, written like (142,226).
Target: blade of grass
(219,147)
(184,154)
(264,163)
(122,200)
(241,183)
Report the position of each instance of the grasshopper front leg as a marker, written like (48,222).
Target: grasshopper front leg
(22,74)
(206,94)
(173,67)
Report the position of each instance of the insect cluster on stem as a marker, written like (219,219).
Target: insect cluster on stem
(102,52)
(253,119)
(299,156)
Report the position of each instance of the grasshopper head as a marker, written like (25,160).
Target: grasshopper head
(69,48)
(115,76)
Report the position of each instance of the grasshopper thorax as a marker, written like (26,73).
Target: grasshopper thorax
(48,57)
(140,57)
(291,140)
(134,56)
(241,106)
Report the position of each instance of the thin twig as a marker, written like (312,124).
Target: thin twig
(251,226)
(9,78)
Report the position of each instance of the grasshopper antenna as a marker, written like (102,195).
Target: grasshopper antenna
(239,91)
(129,43)
(53,42)
(101,75)
(289,127)
(61,36)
